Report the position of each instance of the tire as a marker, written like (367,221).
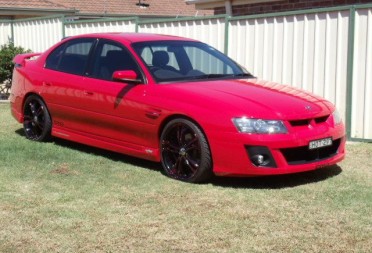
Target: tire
(37,123)
(185,153)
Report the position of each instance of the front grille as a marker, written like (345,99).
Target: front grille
(296,123)
(306,122)
(321,119)
(302,155)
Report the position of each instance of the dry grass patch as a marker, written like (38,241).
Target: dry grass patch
(63,169)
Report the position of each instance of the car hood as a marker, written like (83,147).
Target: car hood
(252,98)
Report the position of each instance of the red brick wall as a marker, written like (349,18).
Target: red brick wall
(287,5)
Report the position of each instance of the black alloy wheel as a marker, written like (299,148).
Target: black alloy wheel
(37,123)
(185,153)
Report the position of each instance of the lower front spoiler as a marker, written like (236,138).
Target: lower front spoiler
(289,169)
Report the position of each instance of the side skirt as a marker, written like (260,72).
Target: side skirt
(108,144)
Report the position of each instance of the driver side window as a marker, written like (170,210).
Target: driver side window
(111,57)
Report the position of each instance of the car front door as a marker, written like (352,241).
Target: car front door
(114,106)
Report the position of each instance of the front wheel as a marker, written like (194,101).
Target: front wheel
(37,123)
(185,153)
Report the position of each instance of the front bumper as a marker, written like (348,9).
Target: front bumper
(290,153)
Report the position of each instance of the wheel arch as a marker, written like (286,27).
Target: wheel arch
(169,118)
(27,95)
(182,116)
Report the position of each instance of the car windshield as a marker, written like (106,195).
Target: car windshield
(172,61)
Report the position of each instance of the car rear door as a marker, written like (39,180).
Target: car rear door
(63,83)
(89,102)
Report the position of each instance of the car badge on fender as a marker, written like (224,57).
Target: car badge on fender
(308,108)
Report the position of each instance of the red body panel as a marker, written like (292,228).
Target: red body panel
(129,118)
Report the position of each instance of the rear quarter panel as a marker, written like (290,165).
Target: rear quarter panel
(24,81)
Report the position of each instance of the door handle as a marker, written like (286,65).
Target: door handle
(153,113)
(88,93)
(47,84)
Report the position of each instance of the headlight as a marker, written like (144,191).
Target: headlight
(260,126)
(336,117)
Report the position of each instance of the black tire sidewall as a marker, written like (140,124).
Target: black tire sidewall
(46,133)
(205,170)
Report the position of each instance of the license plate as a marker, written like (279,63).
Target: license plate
(320,143)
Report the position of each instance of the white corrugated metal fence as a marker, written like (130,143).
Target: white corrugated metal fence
(361,116)
(38,34)
(117,25)
(209,30)
(5,32)
(309,49)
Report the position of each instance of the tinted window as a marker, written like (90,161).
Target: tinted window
(149,52)
(109,57)
(71,57)
(206,62)
(185,60)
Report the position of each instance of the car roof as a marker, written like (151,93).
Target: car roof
(133,37)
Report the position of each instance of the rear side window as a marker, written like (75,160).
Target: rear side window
(71,57)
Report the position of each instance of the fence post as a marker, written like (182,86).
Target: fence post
(12,31)
(226,42)
(63,26)
(137,24)
(350,70)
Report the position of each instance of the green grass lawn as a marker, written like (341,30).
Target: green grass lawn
(65,197)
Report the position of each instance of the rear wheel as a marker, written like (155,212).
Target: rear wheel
(37,123)
(185,153)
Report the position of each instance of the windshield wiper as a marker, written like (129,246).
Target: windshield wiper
(208,76)
(213,76)
(244,75)
(225,75)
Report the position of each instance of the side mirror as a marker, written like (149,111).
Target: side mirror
(126,76)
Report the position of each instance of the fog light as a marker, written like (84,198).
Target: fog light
(259,160)
(260,156)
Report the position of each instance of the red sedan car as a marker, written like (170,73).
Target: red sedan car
(176,101)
